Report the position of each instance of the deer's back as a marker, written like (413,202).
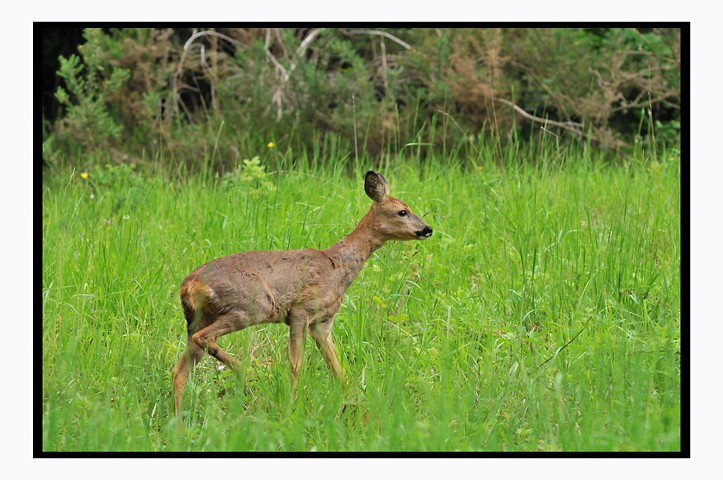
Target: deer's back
(265,283)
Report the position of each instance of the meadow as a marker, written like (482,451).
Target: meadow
(543,314)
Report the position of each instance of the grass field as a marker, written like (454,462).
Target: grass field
(542,315)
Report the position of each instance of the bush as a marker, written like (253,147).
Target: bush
(88,96)
(178,94)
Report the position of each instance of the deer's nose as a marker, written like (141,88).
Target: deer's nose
(426,232)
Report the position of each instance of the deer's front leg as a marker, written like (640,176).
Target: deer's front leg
(321,333)
(297,332)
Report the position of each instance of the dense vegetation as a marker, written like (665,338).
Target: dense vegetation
(544,314)
(136,94)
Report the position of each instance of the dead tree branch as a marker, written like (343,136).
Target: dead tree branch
(383,34)
(570,126)
(187,48)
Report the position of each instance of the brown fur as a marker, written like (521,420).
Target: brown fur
(193,293)
(302,288)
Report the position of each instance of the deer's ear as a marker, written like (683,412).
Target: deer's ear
(376,186)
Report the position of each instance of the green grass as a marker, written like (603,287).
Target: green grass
(542,315)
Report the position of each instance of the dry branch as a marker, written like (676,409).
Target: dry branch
(283,72)
(186,48)
(381,33)
(573,127)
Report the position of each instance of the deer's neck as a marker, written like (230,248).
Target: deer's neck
(352,252)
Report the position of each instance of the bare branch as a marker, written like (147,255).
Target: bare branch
(302,48)
(383,34)
(277,34)
(569,125)
(305,43)
(209,33)
(283,72)
(280,68)
(384,65)
(186,48)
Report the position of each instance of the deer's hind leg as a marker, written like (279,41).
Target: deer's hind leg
(205,338)
(183,368)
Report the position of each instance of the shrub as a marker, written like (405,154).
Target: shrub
(178,94)
(88,96)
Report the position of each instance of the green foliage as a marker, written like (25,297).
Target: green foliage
(142,94)
(90,84)
(250,177)
(542,315)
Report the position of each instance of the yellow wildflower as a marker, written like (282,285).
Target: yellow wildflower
(271,145)
(84,175)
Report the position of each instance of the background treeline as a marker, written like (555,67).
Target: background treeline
(189,96)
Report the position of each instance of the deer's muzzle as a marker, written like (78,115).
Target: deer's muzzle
(426,232)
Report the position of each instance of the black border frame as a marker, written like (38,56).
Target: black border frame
(684,452)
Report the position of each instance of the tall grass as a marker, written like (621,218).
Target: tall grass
(543,315)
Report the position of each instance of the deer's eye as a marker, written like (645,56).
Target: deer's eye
(402,213)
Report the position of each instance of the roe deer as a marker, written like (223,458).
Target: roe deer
(302,288)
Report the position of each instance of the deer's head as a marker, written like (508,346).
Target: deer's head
(392,218)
